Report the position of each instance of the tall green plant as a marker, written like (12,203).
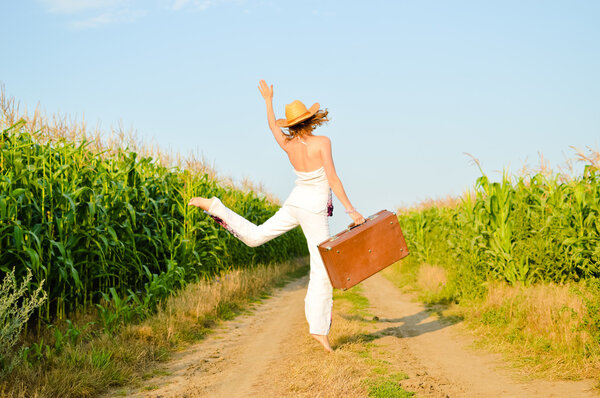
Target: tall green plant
(88,222)
(533,228)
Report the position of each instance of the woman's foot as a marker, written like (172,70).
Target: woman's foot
(324,340)
(203,203)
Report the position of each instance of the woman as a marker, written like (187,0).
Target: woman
(308,205)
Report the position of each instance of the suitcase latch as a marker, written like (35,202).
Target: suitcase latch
(329,248)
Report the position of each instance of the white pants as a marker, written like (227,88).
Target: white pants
(319,295)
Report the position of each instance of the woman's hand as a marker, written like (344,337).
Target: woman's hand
(267,93)
(357,217)
(265,90)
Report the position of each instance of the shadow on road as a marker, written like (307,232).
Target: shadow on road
(404,327)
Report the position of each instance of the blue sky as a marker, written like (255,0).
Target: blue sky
(410,85)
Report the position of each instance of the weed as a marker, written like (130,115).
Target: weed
(15,308)
(388,387)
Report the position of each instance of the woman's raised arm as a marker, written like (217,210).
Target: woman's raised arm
(267,93)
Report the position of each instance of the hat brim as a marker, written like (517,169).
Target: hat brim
(309,113)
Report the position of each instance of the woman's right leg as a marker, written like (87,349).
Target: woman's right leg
(251,234)
(318,300)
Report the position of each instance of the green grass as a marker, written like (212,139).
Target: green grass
(359,303)
(388,387)
(298,273)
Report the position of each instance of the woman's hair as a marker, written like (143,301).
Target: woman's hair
(306,127)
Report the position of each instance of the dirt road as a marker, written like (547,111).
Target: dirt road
(249,356)
(437,358)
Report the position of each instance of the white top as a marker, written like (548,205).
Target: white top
(311,191)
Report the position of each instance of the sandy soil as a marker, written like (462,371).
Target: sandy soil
(232,359)
(239,359)
(438,359)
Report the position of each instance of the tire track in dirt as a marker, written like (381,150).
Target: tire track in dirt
(437,358)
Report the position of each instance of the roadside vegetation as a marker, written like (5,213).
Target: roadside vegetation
(96,235)
(79,358)
(521,258)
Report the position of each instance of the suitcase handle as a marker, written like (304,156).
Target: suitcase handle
(371,217)
(352,226)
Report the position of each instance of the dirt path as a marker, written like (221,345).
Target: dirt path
(248,357)
(230,361)
(437,357)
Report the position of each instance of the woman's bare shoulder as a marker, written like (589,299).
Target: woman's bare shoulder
(322,140)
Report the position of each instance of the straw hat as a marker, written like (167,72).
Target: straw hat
(296,112)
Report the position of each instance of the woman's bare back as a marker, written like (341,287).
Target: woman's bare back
(305,153)
(310,155)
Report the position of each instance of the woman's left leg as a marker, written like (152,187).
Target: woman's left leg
(251,234)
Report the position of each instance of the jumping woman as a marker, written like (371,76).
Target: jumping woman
(308,205)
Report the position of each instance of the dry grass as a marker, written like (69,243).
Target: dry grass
(311,374)
(429,283)
(194,308)
(100,361)
(447,201)
(565,172)
(431,278)
(550,310)
(542,328)
(308,371)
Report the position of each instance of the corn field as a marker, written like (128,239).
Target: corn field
(114,224)
(542,226)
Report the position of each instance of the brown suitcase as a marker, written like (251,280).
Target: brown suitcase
(358,252)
